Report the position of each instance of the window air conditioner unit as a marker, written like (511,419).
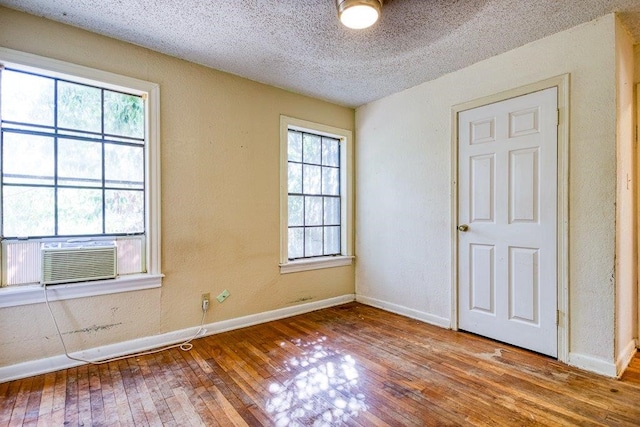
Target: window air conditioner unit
(78,261)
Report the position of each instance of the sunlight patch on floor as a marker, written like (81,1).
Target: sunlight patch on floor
(324,391)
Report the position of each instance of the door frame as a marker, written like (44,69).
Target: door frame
(562,82)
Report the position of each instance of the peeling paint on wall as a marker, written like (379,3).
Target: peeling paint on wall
(303,299)
(93,329)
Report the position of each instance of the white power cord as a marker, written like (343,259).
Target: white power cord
(184,346)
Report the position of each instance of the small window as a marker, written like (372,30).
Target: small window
(79,165)
(316,196)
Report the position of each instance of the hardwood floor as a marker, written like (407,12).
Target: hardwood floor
(347,365)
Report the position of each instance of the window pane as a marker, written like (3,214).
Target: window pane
(313,241)
(124,211)
(27,159)
(79,211)
(331,240)
(295,146)
(79,163)
(331,181)
(123,114)
(296,242)
(330,152)
(331,211)
(124,166)
(311,180)
(295,178)
(27,98)
(313,211)
(311,148)
(79,107)
(296,211)
(28,211)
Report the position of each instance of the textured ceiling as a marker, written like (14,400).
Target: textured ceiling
(300,45)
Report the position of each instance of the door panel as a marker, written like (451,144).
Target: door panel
(482,188)
(507,175)
(482,279)
(524,285)
(523,185)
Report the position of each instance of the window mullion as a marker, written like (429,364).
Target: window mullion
(1,177)
(104,228)
(1,181)
(324,251)
(55,158)
(304,200)
(340,193)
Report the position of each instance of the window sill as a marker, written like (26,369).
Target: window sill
(315,264)
(33,294)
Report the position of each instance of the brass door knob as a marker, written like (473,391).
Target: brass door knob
(463,227)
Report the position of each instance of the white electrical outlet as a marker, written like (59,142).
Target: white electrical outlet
(204,301)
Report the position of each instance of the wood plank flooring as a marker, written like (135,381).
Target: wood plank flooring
(348,365)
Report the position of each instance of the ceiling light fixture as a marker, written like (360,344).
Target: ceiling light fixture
(359,14)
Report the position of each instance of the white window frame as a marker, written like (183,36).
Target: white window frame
(346,196)
(32,294)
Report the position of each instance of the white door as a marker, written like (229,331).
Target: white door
(507,216)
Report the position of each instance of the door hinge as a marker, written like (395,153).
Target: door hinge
(557,317)
(558,117)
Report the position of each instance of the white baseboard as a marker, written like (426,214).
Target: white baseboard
(281,313)
(55,363)
(405,311)
(604,367)
(625,357)
(592,364)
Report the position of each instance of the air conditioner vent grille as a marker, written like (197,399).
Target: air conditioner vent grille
(66,265)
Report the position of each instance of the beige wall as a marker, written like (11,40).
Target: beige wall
(636,81)
(404,187)
(626,239)
(220,199)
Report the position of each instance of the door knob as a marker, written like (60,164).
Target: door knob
(463,227)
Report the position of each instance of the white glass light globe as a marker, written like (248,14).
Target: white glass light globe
(359,17)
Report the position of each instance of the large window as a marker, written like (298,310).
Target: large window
(316,196)
(72,158)
(79,162)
